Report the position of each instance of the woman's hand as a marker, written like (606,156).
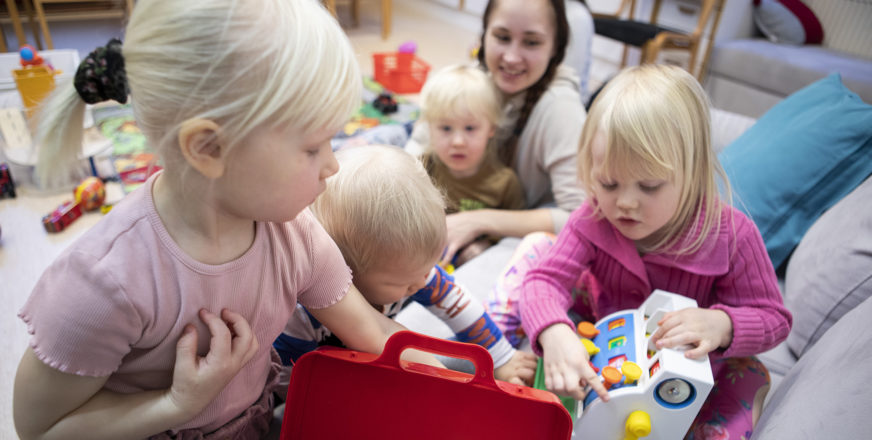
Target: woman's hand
(703,329)
(472,250)
(567,364)
(519,370)
(197,380)
(463,228)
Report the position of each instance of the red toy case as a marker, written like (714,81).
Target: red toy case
(344,394)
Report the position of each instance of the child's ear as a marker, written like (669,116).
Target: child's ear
(200,143)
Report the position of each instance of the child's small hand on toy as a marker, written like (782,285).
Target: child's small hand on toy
(703,329)
(519,370)
(567,366)
(198,379)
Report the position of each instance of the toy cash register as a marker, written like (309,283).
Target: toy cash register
(654,394)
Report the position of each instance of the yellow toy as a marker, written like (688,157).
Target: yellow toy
(90,193)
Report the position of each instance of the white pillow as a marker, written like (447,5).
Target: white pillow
(787,21)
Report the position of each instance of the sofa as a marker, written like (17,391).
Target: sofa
(822,247)
(750,71)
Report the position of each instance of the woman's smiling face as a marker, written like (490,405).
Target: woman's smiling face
(519,43)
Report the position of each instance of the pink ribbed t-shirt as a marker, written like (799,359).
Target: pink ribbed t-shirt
(115,302)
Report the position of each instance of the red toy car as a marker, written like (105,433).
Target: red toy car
(58,220)
(7,186)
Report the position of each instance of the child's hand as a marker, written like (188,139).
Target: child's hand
(197,380)
(567,366)
(519,370)
(704,329)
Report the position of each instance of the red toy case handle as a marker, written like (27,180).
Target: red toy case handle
(478,355)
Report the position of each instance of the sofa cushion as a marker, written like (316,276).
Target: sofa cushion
(830,272)
(799,159)
(824,395)
(782,69)
(787,21)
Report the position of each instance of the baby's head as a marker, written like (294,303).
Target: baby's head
(243,65)
(387,218)
(645,157)
(462,108)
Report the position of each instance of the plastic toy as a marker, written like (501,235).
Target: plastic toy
(385,103)
(29,56)
(400,71)
(90,193)
(7,185)
(408,47)
(35,79)
(654,393)
(61,217)
(337,394)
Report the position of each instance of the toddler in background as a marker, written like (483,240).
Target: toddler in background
(462,108)
(655,220)
(158,321)
(389,222)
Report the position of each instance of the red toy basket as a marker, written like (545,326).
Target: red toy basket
(344,394)
(400,72)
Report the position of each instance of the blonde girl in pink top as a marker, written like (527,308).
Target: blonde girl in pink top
(655,220)
(158,322)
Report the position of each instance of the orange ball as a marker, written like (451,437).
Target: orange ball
(90,193)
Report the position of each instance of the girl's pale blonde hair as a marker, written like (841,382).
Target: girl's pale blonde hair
(244,64)
(655,121)
(461,89)
(381,207)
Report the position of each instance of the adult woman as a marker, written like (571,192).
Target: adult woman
(522,46)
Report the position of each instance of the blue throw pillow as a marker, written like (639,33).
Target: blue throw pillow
(800,158)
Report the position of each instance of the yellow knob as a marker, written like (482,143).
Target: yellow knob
(638,425)
(632,371)
(591,348)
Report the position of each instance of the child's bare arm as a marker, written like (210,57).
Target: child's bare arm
(361,327)
(50,404)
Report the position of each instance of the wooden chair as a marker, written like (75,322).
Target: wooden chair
(15,18)
(653,38)
(83,14)
(355,14)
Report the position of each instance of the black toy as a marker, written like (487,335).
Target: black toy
(7,186)
(385,103)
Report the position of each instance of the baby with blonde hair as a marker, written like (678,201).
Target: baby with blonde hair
(655,220)
(389,222)
(462,108)
(158,322)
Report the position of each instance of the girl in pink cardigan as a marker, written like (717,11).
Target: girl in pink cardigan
(655,220)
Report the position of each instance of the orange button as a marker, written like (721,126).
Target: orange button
(587,330)
(611,376)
